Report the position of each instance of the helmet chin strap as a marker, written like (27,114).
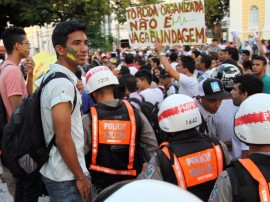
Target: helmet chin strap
(93,98)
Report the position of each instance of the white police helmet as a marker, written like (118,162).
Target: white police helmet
(99,77)
(252,120)
(145,191)
(177,113)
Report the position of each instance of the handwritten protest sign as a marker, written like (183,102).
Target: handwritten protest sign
(177,23)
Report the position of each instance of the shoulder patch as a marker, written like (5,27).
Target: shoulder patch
(214,192)
(150,170)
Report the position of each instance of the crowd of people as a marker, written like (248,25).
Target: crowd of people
(209,134)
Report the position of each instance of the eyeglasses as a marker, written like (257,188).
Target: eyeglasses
(26,43)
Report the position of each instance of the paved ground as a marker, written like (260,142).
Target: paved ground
(6,197)
(4,194)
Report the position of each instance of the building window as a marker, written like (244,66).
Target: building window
(254,17)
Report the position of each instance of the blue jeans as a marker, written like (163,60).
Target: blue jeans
(65,191)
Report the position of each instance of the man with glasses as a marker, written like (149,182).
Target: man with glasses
(13,89)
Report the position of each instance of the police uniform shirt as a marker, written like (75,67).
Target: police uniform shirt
(222,191)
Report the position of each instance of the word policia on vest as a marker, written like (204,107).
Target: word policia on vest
(112,131)
(201,165)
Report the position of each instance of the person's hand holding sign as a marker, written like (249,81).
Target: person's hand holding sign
(158,47)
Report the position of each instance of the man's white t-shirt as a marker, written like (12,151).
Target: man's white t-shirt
(152,95)
(224,119)
(174,64)
(55,92)
(188,85)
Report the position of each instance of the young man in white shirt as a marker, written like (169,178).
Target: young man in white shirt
(184,75)
(65,174)
(143,82)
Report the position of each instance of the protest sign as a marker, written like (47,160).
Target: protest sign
(175,23)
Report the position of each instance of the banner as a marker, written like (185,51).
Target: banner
(42,61)
(175,23)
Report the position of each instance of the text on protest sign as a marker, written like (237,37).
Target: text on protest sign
(177,23)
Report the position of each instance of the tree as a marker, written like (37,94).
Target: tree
(215,11)
(38,12)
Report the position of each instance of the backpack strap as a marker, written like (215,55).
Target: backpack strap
(56,75)
(44,82)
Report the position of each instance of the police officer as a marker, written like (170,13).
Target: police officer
(190,159)
(114,132)
(248,179)
(145,191)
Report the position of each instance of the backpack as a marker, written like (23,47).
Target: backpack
(3,120)
(3,115)
(151,113)
(24,146)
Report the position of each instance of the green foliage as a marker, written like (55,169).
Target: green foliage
(38,12)
(215,11)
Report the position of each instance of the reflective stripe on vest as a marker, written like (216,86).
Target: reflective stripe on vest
(163,144)
(132,143)
(219,156)
(133,134)
(94,134)
(177,169)
(112,171)
(197,168)
(258,176)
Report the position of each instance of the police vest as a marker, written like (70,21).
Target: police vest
(250,178)
(192,161)
(114,155)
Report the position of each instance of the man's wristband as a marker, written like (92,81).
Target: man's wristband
(161,54)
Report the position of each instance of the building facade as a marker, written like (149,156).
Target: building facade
(250,17)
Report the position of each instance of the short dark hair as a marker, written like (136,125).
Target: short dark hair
(206,59)
(225,50)
(11,36)
(234,53)
(187,48)
(246,52)
(129,81)
(213,55)
(196,53)
(154,78)
(144,74)
(146,66)
(129,58)
(249,83)
(63,29)
(173,57)
(189,63)
(141,62)
(124,70)
(247,65)
(261,58)
(156,60)
(126,81)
